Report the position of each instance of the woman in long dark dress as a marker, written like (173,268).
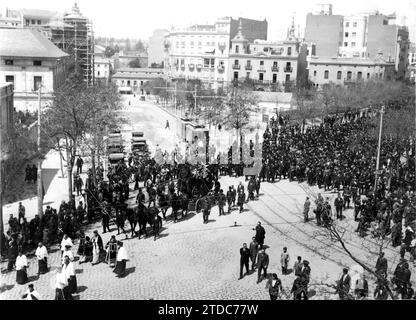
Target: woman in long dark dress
(274,284)
(120,268)
(88,249)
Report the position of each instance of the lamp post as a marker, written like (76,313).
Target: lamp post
(378,149)
(39,179)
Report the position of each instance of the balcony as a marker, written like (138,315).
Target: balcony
(275,69)
(191,66)
(236,66)
(288,69)
(221,45)
(248,67)
(261,69)
(220,68)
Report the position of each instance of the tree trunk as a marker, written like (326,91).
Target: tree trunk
(94,176)
(69,170)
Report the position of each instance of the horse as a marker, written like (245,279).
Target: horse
(148,216)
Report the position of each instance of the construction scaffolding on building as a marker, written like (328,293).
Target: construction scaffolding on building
(73,33)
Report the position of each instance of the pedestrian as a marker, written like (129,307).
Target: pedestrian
(344,284)
(361,288)
(254,250)
(298,289)
(284,260)
(244,259)
(306,208)
(67,253)
(42,255)
(97,248)
(12,254)
(260,234)
(298,266)
(240,200)
(229,198)
(79,163)
(31,293)
(305,277)
(66,241)
(61,286)
(68,270)
(105,217)
(21,213)
(381,265)
(78,185)
(263,264)
(221,202)
(339,205)
(258,182)
(167,124)
(275,286)
(206,208)
(21,268)
(120,269)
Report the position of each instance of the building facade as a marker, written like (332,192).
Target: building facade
(28,60)
(266,63)
(71,32)
(347,70)
(362,35)
(202,51)
(102,69)
(6,108)
(133,80)
(156,49)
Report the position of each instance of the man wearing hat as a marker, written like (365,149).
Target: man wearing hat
(305,275)
(263,263)
(344,284)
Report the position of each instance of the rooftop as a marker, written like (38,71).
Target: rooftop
(38,13)
(27,43)
(136,75)
(141,70)
(342,60)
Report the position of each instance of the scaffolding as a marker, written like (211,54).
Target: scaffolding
(73,33)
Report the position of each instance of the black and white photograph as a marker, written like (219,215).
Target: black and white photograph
(240,150)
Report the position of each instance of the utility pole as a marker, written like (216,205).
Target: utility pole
(379,147)
(40,193)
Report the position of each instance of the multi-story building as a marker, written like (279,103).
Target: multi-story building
(201,51)
(124,58)
(6,108)
(267,63)
(71,32)
(156,49)
(11,19)
(29,60)
(338,70)
(102,69)
(132,80)
(362,35)
(411,74)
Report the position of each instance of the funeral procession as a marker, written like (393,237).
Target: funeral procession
(240,152)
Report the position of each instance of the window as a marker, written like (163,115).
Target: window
(261,76)
(37,63)
(339,75)
(27,22)
(236,62)
(199,43)
(314,73)
(354,34)
(135,82)
(206,62)
(274,78)
(32,21)
(235,75)
(192,43)
(98,73)
(237,49)
(346,34)
(248,74)
(37,82)
(212,63)
(349,75)
(248,63)
(359,75)
(347,24)
(326,74)
(274,64)
(287,77)
(141,83)
(368,75)
(10,79)
(353,44)
(262,63)
(39,22)
(128,82)
(354,24)
(345,44)
(385,22)
(9,62)
(183,62)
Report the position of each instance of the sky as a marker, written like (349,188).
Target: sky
(137,19)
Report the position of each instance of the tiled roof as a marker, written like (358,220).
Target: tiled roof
(27,43)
